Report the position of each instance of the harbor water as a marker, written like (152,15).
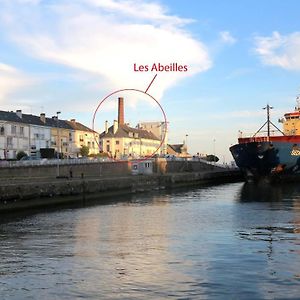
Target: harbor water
(233,241)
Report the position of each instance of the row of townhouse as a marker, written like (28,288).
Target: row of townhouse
(31,134)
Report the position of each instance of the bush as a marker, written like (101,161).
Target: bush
(211,157)
(84,151)
(21,154)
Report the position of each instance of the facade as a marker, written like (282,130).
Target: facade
(84,136)
(159,129)
(121,140)
(179,150)
(21,132)
(30,133)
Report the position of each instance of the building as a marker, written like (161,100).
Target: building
(84,136)
(62,136)
(179,150)
(31,134)
(160,130)
(121,140)
(22,132)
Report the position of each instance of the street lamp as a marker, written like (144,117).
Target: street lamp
(186,146)
(214,150)
(58,143)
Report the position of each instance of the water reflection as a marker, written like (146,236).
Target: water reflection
(271,231)
(132,244)
(234,241)
(256,192)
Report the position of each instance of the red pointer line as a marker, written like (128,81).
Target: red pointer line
(150,83)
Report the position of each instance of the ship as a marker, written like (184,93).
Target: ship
(271,154)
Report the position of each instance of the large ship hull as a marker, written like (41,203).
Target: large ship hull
(273,157)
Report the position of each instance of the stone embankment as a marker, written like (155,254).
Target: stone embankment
(38,186)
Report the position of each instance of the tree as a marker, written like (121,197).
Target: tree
(211,157)
(84,151)
(21,154)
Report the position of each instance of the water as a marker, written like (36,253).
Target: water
(233,241)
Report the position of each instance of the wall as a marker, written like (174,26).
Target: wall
(28,194)
(163,166)
(19,140)
(88,170)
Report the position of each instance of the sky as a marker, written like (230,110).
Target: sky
(63,55)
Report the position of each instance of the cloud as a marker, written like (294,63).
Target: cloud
(279,50)
(105,38)
(11,80)
(227,38)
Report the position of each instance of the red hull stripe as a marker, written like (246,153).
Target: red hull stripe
(284,138)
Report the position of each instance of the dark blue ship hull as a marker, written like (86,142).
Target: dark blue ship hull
(263,159)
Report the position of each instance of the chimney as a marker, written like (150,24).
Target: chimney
(106,126)
(115,126)
(121,111)
(43,117)
(73,120)
(19,113)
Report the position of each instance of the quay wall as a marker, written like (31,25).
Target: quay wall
(101,169)
(87,169)
(28,193)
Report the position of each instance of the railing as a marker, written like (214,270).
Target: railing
(51,162)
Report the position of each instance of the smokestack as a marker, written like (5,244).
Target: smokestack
(121,111)
(115,126)
(106,126)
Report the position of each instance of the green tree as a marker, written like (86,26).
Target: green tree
(211,157)
(21,154)
(84,151)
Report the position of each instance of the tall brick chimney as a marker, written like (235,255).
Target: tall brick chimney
(121,111)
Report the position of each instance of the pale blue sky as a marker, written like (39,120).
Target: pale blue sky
(67,55)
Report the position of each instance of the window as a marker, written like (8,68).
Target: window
(22,131)
(13,129)
(117,142)
(9,141)
(2,131)
(107,148)
(70,137)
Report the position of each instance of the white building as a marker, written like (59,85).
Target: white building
(121,140)
(160,130)
(22,132)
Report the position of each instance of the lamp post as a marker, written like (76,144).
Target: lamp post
(58,143)
(214,150)
(186,144)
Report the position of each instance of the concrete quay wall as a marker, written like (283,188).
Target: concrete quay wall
(28,194)
(50,171)
(160,166)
